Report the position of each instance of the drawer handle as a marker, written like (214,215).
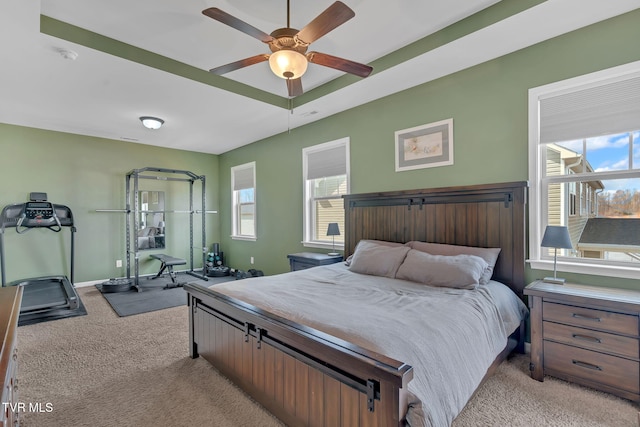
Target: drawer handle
(586,365)
(586,338)
(583,317)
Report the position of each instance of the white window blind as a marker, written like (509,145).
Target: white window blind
(243,177)
(593,110)
(327,162)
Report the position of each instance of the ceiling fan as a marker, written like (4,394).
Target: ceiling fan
(289,57)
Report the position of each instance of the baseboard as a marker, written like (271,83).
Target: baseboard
(90,283)
(527,348)
(142,276)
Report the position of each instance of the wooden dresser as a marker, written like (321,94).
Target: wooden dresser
(10,298)
(587,335)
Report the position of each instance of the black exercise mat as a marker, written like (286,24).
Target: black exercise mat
(153,296)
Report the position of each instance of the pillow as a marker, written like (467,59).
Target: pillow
(490,255)
(347,262)
(456,271)
(377,259)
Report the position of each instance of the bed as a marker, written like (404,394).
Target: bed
(309,371)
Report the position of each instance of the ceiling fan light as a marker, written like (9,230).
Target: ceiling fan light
(151,122)
(288,64)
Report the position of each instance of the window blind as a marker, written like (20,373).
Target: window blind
(607,108)
(243,177)
(328,162)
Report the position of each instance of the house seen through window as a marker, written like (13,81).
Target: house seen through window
(601,211)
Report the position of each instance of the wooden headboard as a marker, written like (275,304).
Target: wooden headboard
(488,215)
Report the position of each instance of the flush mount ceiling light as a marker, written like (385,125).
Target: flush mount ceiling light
(151,122)
(67,54)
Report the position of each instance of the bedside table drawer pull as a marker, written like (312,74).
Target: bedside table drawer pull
(586,365)
(587,338)
(583,317)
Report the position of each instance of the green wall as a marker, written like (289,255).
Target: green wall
(86,174)
(488,103)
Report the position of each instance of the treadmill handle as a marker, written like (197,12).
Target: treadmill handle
(19,224)
(59,227)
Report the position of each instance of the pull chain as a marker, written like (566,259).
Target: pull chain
(289,115)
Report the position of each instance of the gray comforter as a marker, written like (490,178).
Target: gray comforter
(449,336)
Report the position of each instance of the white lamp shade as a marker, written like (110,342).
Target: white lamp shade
(151,122)
(288,64)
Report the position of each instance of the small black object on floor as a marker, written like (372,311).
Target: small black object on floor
(153,295)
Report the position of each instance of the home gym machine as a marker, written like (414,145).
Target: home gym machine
(48,297)
(133,224)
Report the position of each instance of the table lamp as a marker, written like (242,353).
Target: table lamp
(333,230)
(556,237)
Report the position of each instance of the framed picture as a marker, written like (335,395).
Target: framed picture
(425,146)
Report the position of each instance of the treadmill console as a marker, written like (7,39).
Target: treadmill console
(36,214)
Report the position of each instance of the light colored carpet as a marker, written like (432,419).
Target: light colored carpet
(104,370)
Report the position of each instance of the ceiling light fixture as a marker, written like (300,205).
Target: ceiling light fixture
(151,122)
(288,64)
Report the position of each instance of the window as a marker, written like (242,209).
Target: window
(584,171)
(243,193)
(326,179)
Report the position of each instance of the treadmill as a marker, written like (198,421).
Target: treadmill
(47,297)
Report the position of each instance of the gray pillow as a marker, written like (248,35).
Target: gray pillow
(457,271)
(377,259)
(347,262)
(490,255)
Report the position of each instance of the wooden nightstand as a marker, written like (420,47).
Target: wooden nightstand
(586,334)
(303,260)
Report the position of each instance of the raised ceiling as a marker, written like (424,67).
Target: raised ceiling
(149,57)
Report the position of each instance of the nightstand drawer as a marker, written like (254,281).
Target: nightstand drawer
(590,318)
(594,340)
(297,265)
(304,260)
(590,365)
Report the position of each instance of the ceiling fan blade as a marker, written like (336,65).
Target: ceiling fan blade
(239,64)
(294,86)
(341,64)
(334,16)
(232,21)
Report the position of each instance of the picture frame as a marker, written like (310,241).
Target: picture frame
(424,146)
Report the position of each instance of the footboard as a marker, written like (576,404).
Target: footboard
(303,376)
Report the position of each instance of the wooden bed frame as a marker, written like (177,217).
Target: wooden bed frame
(308,378)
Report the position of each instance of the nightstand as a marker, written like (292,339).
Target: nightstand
(303,260)
(586,334)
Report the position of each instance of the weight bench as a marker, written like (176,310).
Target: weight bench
(167,264)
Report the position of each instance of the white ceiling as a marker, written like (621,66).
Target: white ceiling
(100,94)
